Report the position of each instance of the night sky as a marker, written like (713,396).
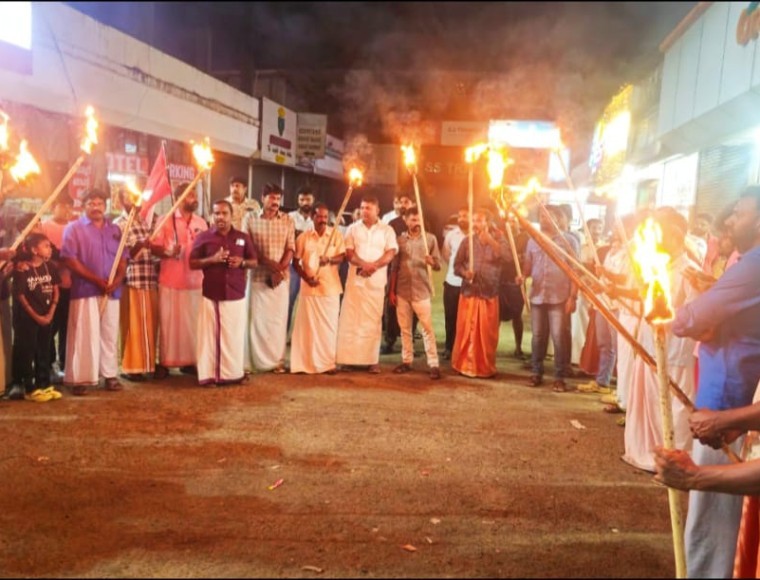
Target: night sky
(386,68)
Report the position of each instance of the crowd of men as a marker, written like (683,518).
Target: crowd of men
(218,301)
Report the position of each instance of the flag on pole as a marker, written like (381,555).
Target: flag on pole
(157,187)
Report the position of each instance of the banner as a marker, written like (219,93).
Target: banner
(332,163)
(312,134)
(463,133)
(278,133)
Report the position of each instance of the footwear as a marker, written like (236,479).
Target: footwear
(113,384)
(189,370)
(559,386)
(38,396)
(279,370)
(402,368)
(594,387)
(332,372)
(131,377)
(435,373)
(621,421)
(15,393)
(373,369)
(536,380)
(610,399)
(79,390)
(160,373)
(54,395)
(612,409)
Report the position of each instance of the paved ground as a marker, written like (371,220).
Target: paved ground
(477,478)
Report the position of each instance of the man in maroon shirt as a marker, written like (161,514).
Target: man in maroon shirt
(223,253)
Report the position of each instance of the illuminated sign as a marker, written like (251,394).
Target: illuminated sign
(748,26)
(610,144)
(16,24)
(526,134)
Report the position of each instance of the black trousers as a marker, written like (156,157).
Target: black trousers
(450,311)
(31,351)
(60,323)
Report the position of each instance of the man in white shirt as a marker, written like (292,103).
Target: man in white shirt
(370,247)
(452,284)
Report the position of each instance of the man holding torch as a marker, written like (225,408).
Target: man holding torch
(726,318)
(90,245)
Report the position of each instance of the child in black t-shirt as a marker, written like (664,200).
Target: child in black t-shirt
(35,296)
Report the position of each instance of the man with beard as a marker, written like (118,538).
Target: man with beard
(89,249)
(410,291)
(179,287)
(477,336)
(452,285)
(370,247)
(401,203)
(139,304)
(223,253)
(242,206)
(302,221)
(726,319)
(273,236)
(315,329)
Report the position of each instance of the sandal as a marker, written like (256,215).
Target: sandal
(279,370)
(612,409)
(536,380)
(402,368)
(560,386)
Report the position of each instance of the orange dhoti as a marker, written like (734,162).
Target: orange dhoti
(746,562)
(477,337)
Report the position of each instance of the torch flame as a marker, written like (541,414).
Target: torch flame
(90,131)
(652,263)
(410,158)
(203,156)
(3,131)
(472,154)
(355,177)
(136,196)
(497,164)
(25,164)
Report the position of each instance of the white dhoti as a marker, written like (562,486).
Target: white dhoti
(220,341)
(360,327)
(314,343)
(91,343)
(268,325)
(578,325)
(625,357)
(178,310)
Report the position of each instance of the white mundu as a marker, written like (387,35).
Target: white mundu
(315,328)
(361,315)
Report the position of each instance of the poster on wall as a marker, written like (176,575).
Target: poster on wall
(311,140)
(332,163)
(278,133)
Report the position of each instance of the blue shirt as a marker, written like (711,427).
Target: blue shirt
(95,248)
(550,284)
(729,364)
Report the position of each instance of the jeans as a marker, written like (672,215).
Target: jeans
(450,310)
(606,340)
(549,319)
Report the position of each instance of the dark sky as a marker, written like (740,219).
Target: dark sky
(466,60)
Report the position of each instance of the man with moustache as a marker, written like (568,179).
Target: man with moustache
(139,302)
(242,206)
(302,221)
(315,329)
(179,287)
(273,236)
(452,285)
(370,247)
(223,253)
(410,291)
(89,249)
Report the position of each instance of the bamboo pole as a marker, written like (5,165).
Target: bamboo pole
(611,318)
(119,252)
(516,258)
(674,496)
(177,203)
(424,233)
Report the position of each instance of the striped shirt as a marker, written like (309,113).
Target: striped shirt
(271,238)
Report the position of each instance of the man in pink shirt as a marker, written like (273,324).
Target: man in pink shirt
(179,288)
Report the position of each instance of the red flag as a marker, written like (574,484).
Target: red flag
(157,187)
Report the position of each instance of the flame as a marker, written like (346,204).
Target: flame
(25,164)
(90,131)
(652,263)
(4,131)
(497,164)
(203,156)
(410,158)
(355,177)
(136,196)
(472,154)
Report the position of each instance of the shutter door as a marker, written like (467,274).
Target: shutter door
(723,173)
